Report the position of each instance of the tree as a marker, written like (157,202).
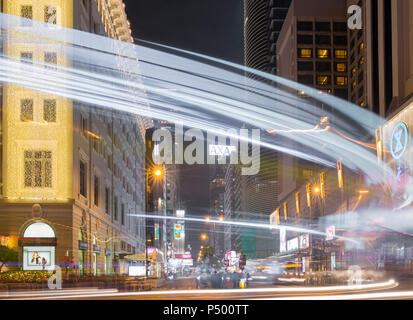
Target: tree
(7,256)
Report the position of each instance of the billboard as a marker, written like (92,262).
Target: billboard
(177,231)
(156,229)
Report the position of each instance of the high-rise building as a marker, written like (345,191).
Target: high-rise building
(255,197)
(380,67)
(263,20)
(312,50)
(72,174)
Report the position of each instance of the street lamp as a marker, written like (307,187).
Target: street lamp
(204,237)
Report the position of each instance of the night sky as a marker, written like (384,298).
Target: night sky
(211,27)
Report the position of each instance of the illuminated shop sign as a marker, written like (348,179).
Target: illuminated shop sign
(83,245)
(399,140)
(221,150)
(331,232)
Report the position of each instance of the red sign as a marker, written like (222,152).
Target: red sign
(183,256)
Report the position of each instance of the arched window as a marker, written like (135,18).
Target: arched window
(39,230)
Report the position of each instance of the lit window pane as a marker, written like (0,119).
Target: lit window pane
(341,81)
(323,53)
(50,58)
(341,54)
(50,14)
(323,80)
(26,110)
(27,13)
(49,111)
(306,53)
(26,57)
(341,67)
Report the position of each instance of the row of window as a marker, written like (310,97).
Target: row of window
(96,193)
(49,15)
(321,26)
(322,53)
(27,107)
(321,66)
(322,39)
(50,58)
(323,80)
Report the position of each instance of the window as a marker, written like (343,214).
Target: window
(96,188)
(26,13)
(323,26)
(341,81)
(304,26)
(26,57)
(26,110)
(122,214)
(340,40)
(305,79)
(305,53)
(50,14)
(341,93)
(304,39)
(361,61)
(38,169)
(323,66)
(341,67)
(50,58)
(323,53)
(83,123)
(82,178)
(354,84)
(361,47)
(107,200)
(323,40)
(49,110)
(115,205)
(340,27)
(341,54)
(305,66)
(323,80)
(362,104)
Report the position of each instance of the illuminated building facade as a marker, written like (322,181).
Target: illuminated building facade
(71,173)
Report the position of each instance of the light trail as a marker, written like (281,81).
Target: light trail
(203,96)
(244,224)
(377,286)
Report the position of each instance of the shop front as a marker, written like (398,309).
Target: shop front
(38,247)
(398,154)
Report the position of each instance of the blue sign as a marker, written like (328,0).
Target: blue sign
(399,140)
